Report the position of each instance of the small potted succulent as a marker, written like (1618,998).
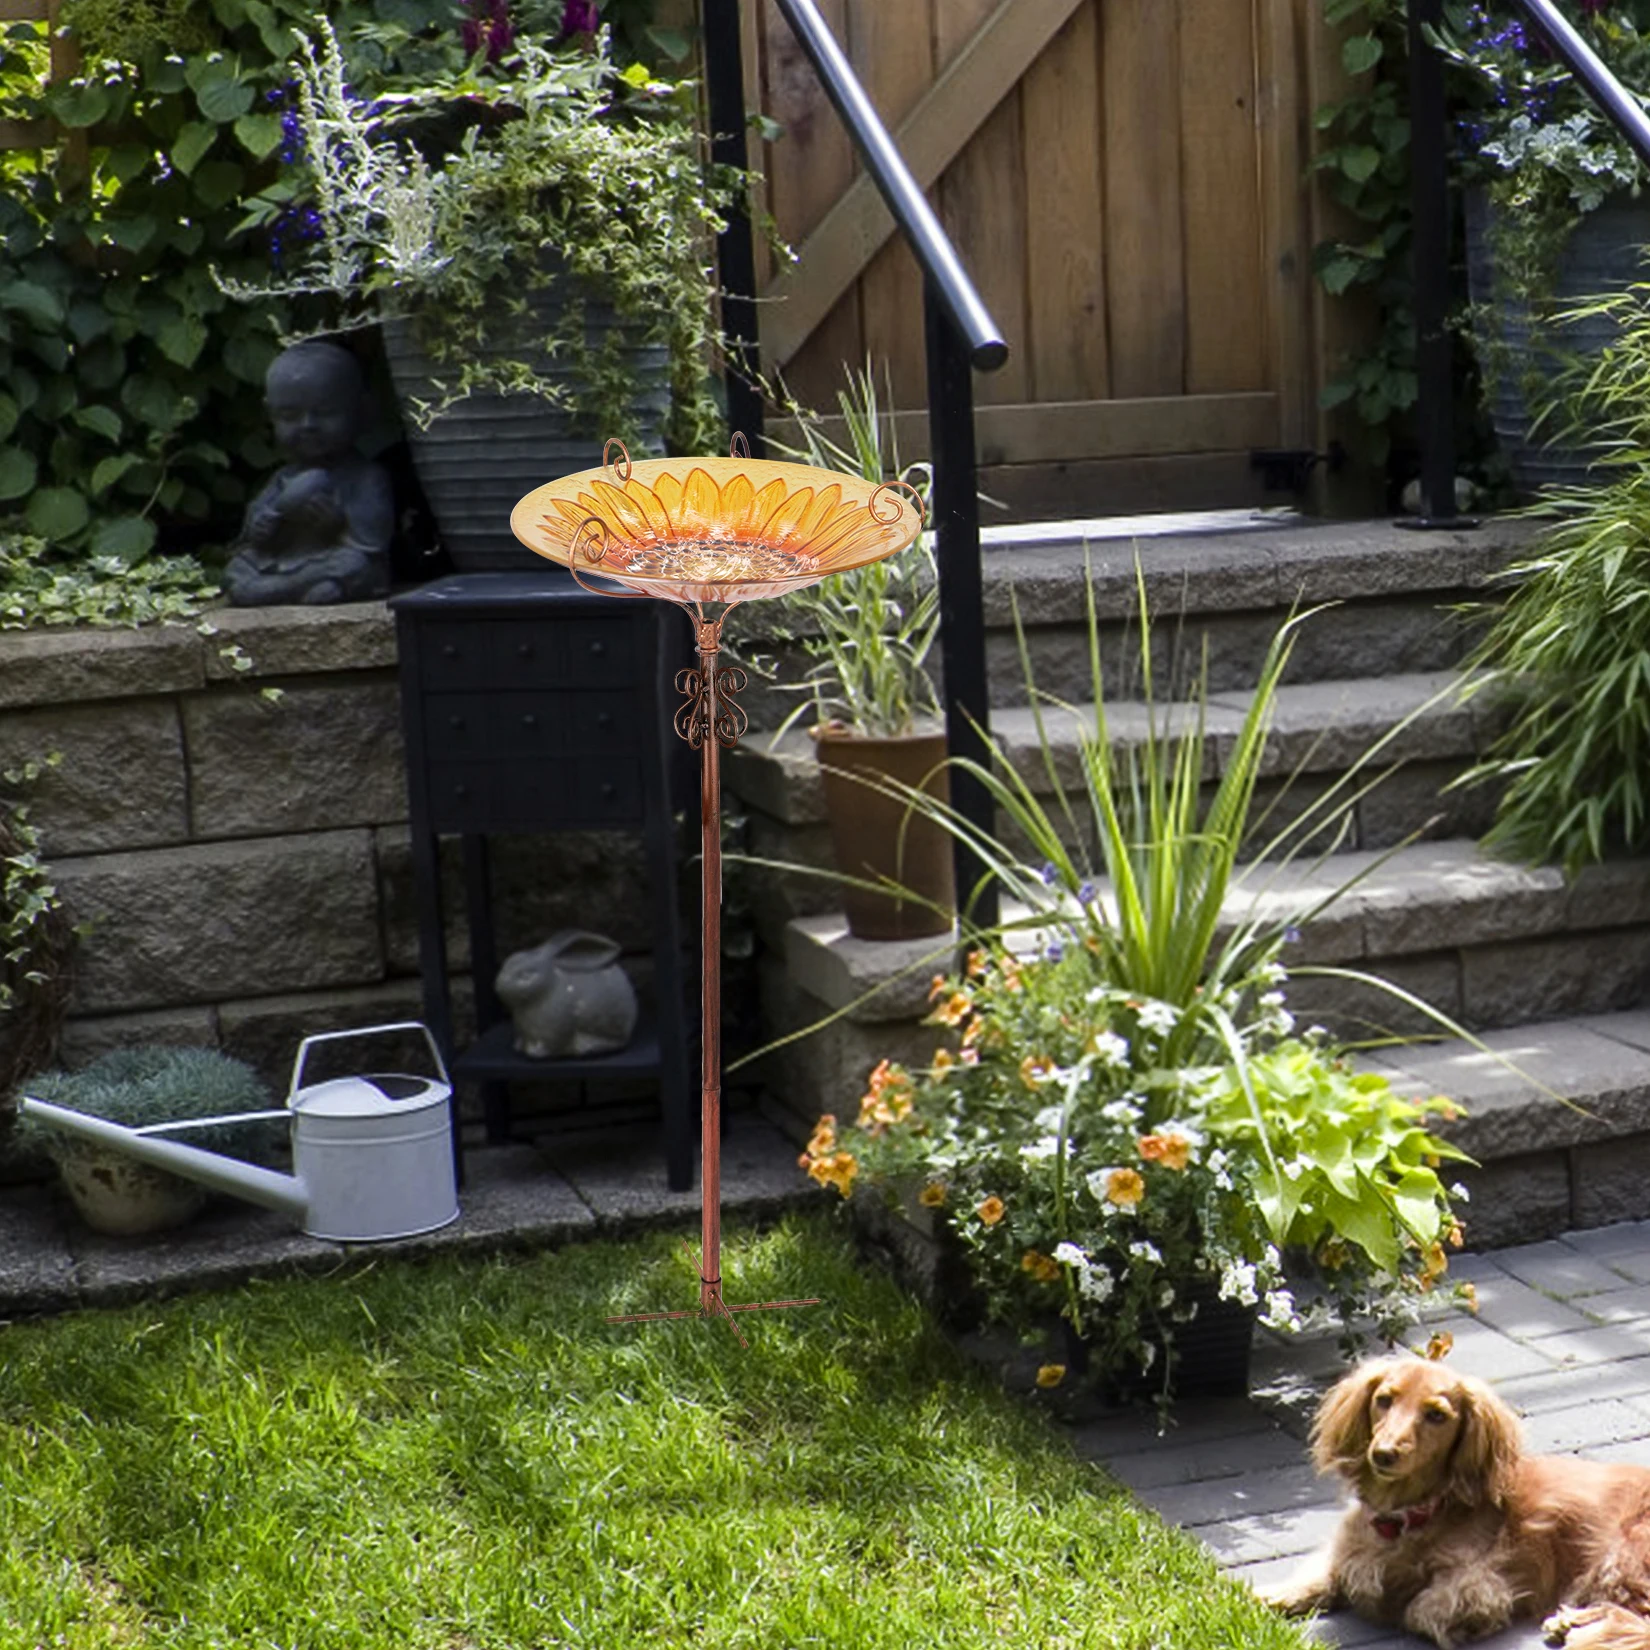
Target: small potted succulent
(139,1087)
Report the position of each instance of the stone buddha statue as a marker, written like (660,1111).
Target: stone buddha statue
(320,530)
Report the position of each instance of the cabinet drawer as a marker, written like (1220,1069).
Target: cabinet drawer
(523,653)
(531,726)
(569,792)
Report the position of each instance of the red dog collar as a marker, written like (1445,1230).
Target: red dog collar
(1390,1525)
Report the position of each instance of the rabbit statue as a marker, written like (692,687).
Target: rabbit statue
(568,996)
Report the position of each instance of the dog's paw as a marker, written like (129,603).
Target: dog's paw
(1594,1627)
(1297,1597)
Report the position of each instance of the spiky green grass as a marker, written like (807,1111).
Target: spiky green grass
(463,1455)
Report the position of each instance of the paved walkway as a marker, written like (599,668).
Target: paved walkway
(1563,1332)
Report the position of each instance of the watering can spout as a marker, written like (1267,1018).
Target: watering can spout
(223,1174)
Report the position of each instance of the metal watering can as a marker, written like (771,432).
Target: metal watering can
(372,1155)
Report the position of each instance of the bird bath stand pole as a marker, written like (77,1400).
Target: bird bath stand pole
(668,529)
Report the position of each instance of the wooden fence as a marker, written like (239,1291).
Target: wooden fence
(41,134)
(1125,180)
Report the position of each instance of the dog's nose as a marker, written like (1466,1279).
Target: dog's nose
(1384,1458)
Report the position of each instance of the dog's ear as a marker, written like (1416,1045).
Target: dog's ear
(1487,1450)
(1341,1432)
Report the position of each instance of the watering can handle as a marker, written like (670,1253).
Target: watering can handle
(364,1031)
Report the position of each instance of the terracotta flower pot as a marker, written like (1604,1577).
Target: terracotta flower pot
(866,831)
(123,1198)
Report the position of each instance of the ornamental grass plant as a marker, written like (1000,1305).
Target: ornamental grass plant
(464,1453)
(1124,1105)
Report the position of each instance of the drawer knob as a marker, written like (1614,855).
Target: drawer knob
(524,650)
(604,719)
(529,720)
(607,791)
(461,791)
(598,648)
(455,722)
(449,650)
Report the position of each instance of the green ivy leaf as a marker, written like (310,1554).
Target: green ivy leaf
(107,471)
(126,160)
(36,303)
(130,538)
(102,366)
(261,134)
(218,182)
(87,320)
(10,412)
(247,354)
(1360,162)
(17,472)
(1361,53)
(182,339)
(131,233)
(1339,273)
(152,401)
(191,144)
(79,105)
(57,513)
(100,420)
(221,95)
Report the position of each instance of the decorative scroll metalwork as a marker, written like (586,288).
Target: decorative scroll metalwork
(622,471)
(893,487)
(739,447)
(693,714)
(590,546)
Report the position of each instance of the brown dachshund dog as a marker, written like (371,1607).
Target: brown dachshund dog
(1455,1532)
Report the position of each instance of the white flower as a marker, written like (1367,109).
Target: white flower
(1165,1296)
(1460,1193)
(1048,1119)
(1272,973)
(1095,1283)
(1038,1150)
(1279,1312)
(1142,1250)
(1159,1017)
(1148,1355)
(1068,1254)
(1271,999)
(1124,1110)
(1237,1282)
(1110,1049)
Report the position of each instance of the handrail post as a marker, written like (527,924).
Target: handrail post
(735,251)
(1429,195)
(956,514)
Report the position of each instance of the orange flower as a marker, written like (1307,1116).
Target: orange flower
(937,987)
(1125,1188)
(1010,966)
(942,1062)
(1456,1235)
(1469,1297)
(889,1099)
(1040,1267)
(1440,1344)
(932,1195)
(1172,1150)
(976,965)
(992,1210)
(823,1141)
(952,1011)
(1035,1069)
(1433,1265)
(836,1170)
(972,1032)
(1051,1375)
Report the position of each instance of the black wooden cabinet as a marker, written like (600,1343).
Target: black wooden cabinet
(530,705)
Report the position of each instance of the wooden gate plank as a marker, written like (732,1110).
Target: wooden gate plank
(808,169)
(891,48)
(949,114)
(1285,242)
(982,204)
(1220,193)
(1070,431)
(1145,281)
(1065,264)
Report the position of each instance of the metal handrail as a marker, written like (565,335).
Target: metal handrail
(987,349)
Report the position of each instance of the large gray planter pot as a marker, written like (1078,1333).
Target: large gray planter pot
(479,457)
(1605,253)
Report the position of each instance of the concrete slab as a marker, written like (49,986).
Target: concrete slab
(36,1264)
(1557,1268)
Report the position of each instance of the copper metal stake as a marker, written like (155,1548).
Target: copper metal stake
(708,719)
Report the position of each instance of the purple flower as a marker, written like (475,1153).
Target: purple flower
(1048,874)
(578,17)
(488,28)
(1086,893)
(1291,935)
(1054,951)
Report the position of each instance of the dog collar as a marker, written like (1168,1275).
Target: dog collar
(1390,1525)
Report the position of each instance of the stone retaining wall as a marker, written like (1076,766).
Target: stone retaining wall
(243,865)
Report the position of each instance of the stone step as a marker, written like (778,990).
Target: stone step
(1558,1117)
(1426,731)
(1487,943)
(1394,593)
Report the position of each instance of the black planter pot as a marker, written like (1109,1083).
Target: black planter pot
(478,458)
(1210,1354)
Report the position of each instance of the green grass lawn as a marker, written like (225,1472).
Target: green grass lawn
(463,1454)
